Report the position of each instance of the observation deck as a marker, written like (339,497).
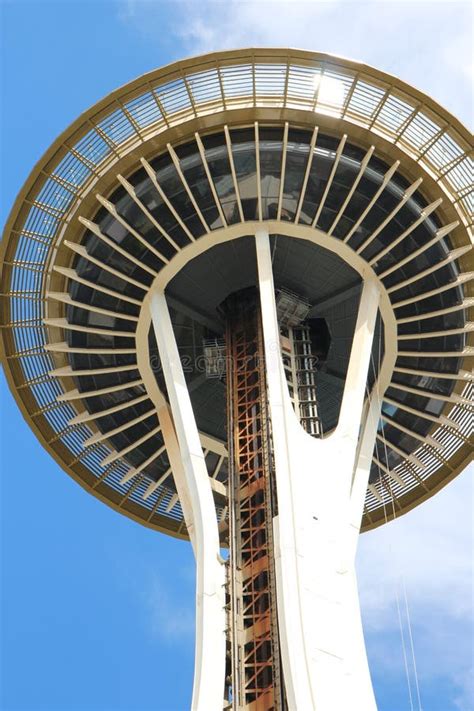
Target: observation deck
(352,172)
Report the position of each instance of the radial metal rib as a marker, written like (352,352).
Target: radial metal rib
(188,190)
(66,326)
(67,371)
(64,347)
(65,298)
(351,192)
(404,455)
(74,276)
(100,436)
(202,153)
(410,432)
(459,281)
(406,196)
(439,236)
(282,170)
(112,210)
(233,173)
(460,375)
(82,252)
(337,158)
(465,304)
(78,395)
(95,229)
(453,398)
(257,168)
(136,443)
(386,179)
(437,334)
(309,163)
(168,203)
(87,416)
(154,485)
(394,243)
(452,256)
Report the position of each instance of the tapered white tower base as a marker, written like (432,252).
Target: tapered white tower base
(320,506)
(321,485)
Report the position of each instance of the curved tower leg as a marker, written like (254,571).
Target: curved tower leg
(209,671)
(320,488)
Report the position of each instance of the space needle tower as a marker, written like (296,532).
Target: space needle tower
(237,307)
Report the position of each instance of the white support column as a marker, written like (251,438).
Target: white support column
(321,490)
(209,671)
(174,456)
(361,470)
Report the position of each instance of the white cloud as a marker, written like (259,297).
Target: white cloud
(427,44)
(170,612)
(465,699)
(430,551)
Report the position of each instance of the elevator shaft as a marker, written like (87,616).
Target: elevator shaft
(254,649)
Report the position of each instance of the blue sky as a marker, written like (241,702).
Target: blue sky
(97,612)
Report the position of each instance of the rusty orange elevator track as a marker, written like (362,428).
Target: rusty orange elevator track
(256,682)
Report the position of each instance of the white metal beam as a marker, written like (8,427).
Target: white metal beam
(323,654)
(356,182)
(233,173)
(210,591)
(386,179)
(337,158)
(110,207)
(82,252)
(152,175)
(282,170)
(202,153)
(309,163)
(188,190)
(451,257)
(87,416)
(66,299)
(416,253)
(394,243)
(74,276)
(95,229)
